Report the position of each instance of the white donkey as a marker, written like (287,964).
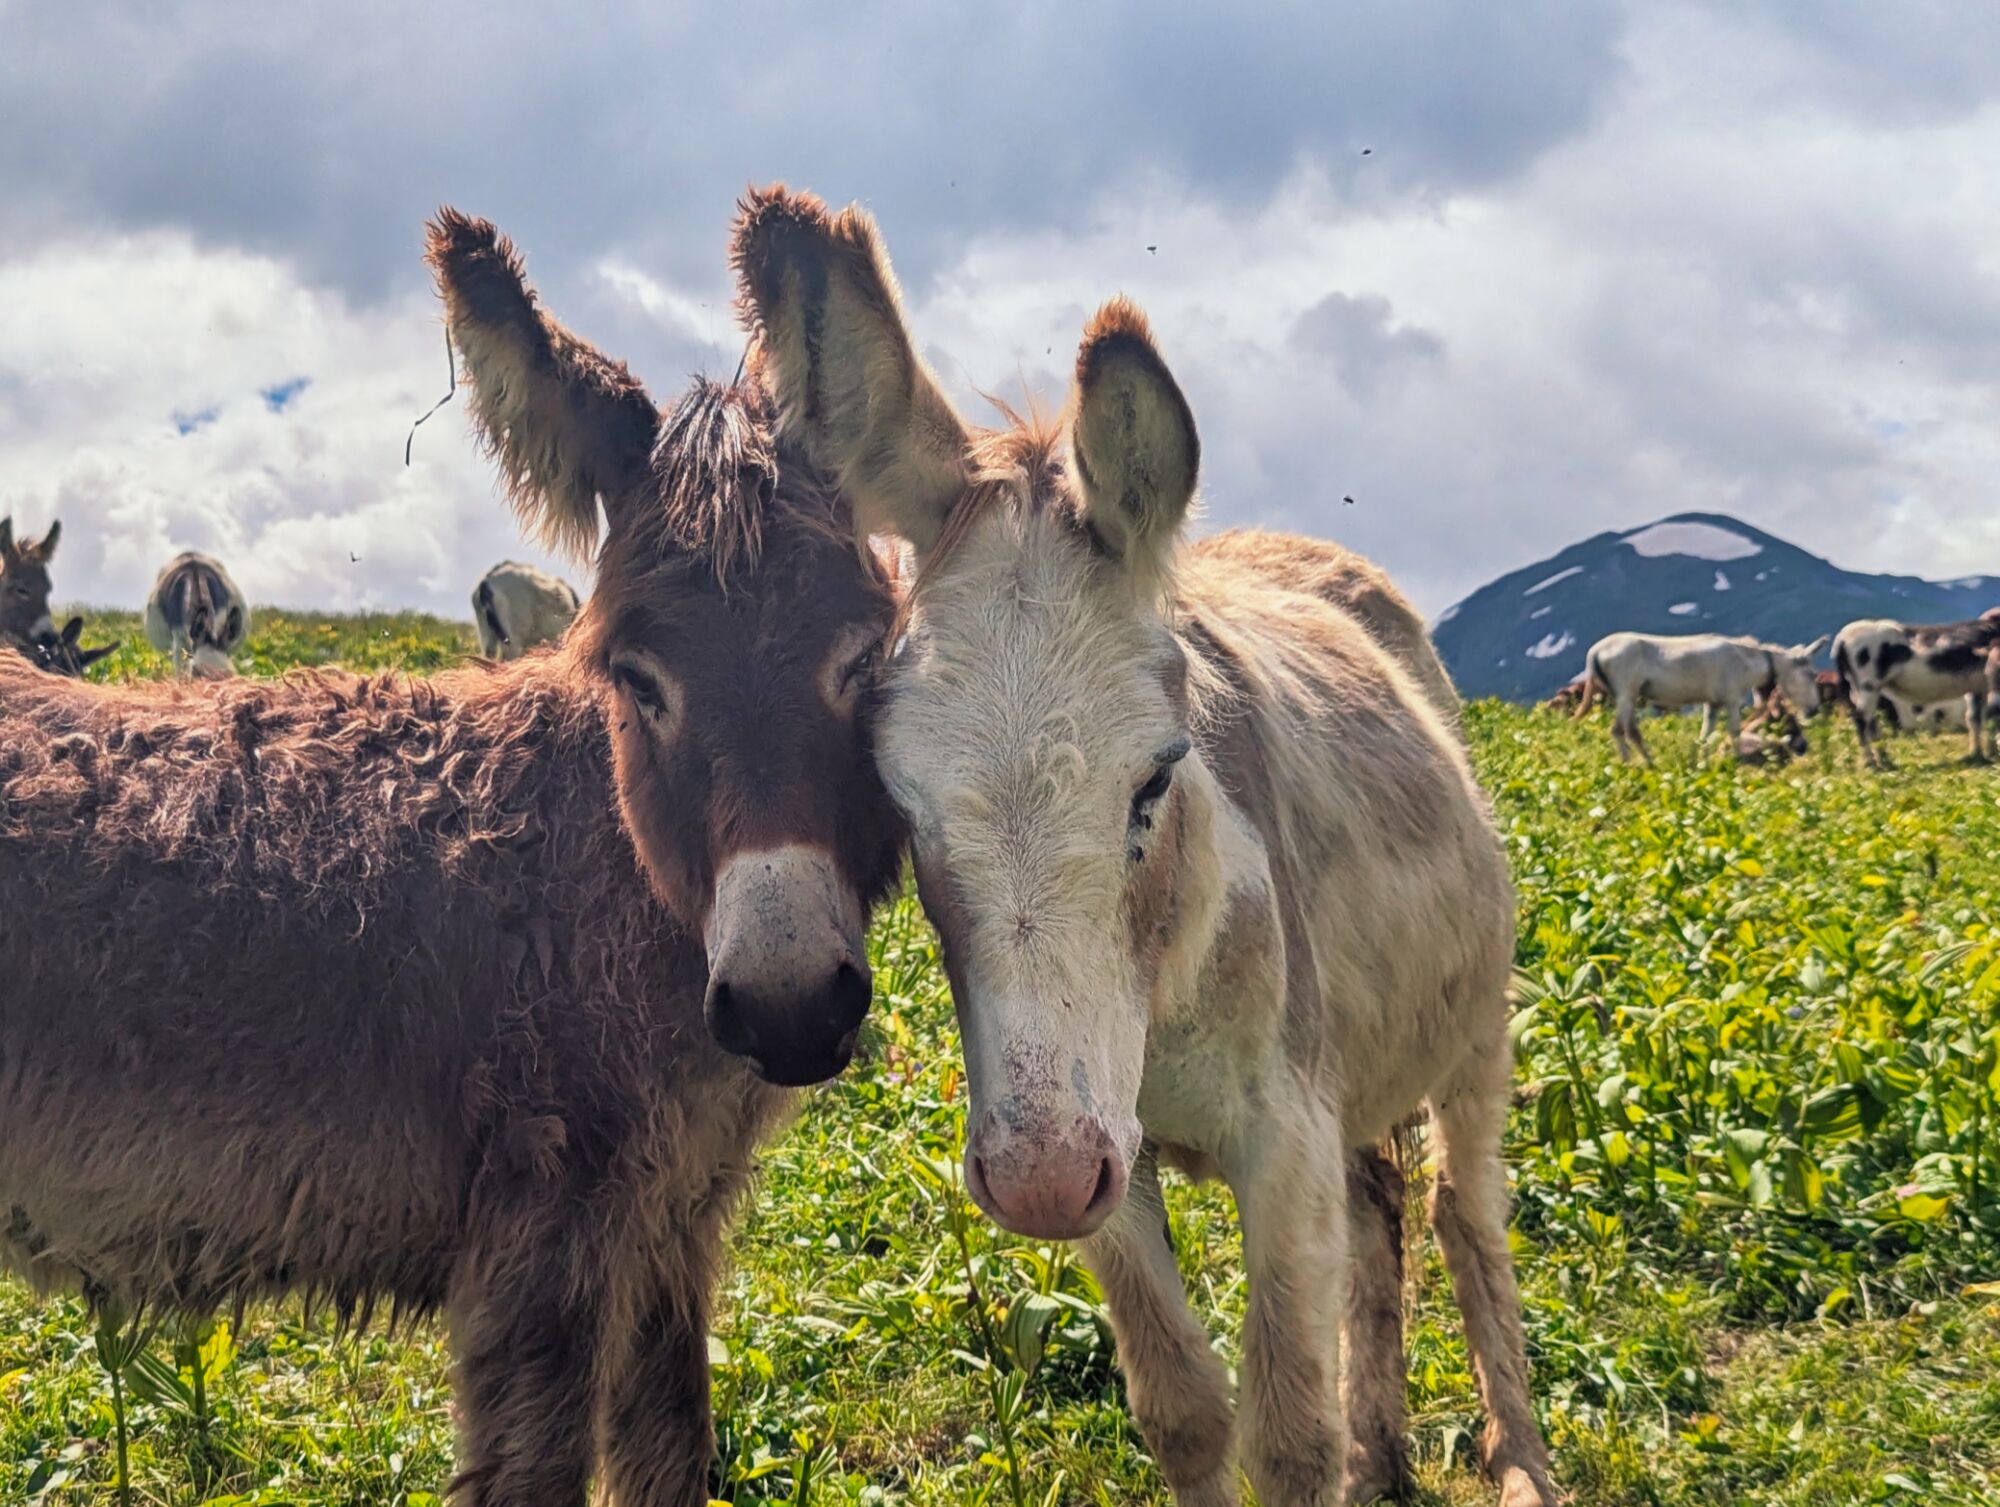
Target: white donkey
(517,608)
(1696,669)
(1214,881)
(196,616)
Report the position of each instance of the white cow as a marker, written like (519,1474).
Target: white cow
(196,616)
(1700,669)
(518,607)
(1922,666)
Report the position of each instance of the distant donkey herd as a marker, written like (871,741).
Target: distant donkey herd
(1916,677)
(478,994)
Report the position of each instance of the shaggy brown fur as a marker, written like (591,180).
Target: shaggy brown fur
(359,987)
(24,584)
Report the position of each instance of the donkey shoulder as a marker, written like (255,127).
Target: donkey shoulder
(1351,583)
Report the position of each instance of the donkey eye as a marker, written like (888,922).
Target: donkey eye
(1148,795)
(640,686)
(863,664)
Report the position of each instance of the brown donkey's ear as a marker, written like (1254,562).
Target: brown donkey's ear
(816,291)
(566,423)
(1132,438)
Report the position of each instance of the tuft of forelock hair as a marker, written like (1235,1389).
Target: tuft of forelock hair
(1023,468)
(716,465)
(565,423)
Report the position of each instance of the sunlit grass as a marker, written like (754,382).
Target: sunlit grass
(1757,1177)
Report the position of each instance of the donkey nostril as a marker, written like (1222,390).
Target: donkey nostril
(1106,1190)
(849,996)
(731,1031)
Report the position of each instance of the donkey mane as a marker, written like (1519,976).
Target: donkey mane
(720,481)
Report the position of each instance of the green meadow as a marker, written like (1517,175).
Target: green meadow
(1756,1145)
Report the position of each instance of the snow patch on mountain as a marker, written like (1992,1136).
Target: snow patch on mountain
(1682,609)
(1705,541)
(1545,584)
(1549,645)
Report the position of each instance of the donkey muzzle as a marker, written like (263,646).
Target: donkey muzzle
(788,981)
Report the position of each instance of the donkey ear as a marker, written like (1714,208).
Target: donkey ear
(1132,438)
(88,657)
(566,423)
(72,631)
(46,550)
(830,344)
(6,536)
(1811,650)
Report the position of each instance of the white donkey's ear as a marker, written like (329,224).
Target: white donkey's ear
(1812,650)
(1132,438)
(831,346)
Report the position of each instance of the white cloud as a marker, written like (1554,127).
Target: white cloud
(1601,265)
(107,340)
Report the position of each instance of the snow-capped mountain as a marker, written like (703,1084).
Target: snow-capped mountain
(1525,635)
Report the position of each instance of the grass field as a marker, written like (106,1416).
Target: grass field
(1758,1196)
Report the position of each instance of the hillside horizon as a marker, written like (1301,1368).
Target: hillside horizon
(1523,636)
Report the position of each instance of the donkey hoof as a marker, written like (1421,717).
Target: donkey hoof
(1519,1488)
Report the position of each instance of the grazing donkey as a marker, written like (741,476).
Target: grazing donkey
(1773,737)
(1699,669)
(517,607)
(63,653)
(196,616)
(1214,881)
(1878,658)
(24,586)
(474,993)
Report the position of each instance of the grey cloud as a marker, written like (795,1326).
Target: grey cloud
(324,133)
(1357,334)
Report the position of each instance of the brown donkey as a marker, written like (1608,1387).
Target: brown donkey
(471,993)
(1214,881)
(24,587)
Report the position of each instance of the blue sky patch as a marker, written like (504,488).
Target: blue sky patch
(201,418)
(275,398)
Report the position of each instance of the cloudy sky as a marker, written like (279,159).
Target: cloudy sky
(1506,275)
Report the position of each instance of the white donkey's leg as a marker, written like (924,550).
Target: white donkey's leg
(1621,715)
(1469,1213)
(1707,721)
(1372,1381)
(1628,715)
(1177,1384)
(1292,1193)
